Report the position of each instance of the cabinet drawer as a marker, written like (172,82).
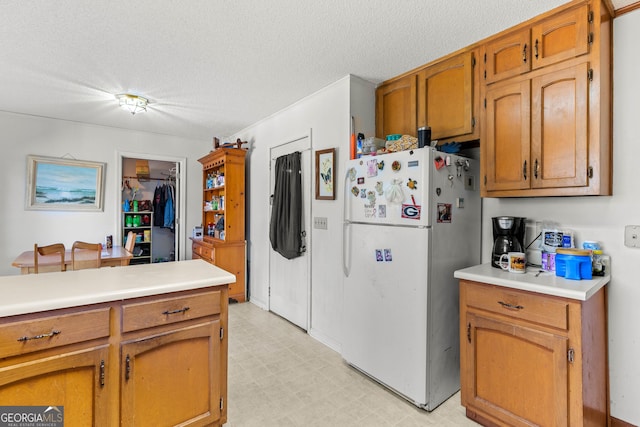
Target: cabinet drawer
(521,305)
(171,310)
(204,252)
(26,336)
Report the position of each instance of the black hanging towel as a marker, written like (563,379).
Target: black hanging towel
(285,229)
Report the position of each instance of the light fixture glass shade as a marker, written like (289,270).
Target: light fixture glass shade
(132,103)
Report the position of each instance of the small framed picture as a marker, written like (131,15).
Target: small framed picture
(325,174)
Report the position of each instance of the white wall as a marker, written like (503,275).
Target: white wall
(23,135)
(327,114)
(603,219)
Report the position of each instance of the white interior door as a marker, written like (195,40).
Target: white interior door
(289,279)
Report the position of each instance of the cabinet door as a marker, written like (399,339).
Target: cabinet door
(507,142)
(74,381)
(560,37)
(507,56)
(172,378)
(445,97)
(396,107)
(514,374)
(560,128)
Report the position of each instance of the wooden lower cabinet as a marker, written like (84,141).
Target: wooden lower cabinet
(151,361)
(190,355)
(531,359)
(69,380)
(229,256)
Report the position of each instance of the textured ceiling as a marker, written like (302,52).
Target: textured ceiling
(212,67)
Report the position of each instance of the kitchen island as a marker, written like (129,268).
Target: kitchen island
(533,348)
(140,345)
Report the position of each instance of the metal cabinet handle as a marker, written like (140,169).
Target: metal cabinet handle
(510,306)
(536,169)
(38,337)
(524,54)
(180,310)
(127,368)
(524,170)
(535,49)
(102,373)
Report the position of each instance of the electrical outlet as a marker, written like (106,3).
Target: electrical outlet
(320,222)
(632,236)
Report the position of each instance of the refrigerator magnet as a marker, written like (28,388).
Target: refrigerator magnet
(371,197)
(360,180)
(396,166)
(352,174)
(379,188)
(363,193)
(412,184)
(411,211)
(369,211)
(382,211)
(387,255)
(444,212)
(439,162)
(379,257)
(381,165)
(372,168)
(355,191)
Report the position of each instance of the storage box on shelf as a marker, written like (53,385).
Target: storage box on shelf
(223,214)
(140,223)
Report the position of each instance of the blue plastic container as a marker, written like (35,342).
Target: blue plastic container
(574,264)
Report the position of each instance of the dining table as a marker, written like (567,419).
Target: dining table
(110,257)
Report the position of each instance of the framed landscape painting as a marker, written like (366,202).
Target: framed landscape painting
(64,184)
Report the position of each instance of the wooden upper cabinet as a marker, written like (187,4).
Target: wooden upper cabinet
(559,128)
(559,37)
(506,147)
(507,56)
(446,97)
(567,149)
(396,107)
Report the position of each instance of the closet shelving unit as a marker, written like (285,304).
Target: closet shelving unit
(143,229)
(143,249)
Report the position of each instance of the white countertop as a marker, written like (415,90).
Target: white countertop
(32,293)
(546,283)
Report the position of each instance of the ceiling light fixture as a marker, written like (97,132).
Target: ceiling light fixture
(132,103)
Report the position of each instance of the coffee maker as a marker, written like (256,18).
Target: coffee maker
(508,236)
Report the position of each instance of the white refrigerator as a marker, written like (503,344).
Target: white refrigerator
(411,219)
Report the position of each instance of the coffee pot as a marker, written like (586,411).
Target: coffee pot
(508,236)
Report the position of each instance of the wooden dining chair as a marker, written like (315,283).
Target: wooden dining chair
(131,242)
(56,248)
(92,261)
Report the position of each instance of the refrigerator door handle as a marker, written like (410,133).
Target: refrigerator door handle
(346,248)
(346,230)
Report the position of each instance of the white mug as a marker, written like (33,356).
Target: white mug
(513,262)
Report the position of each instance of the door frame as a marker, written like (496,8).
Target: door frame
(181,182)
(308,226)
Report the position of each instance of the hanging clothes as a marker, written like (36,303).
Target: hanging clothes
(285,229)
(158,206)
(169,212)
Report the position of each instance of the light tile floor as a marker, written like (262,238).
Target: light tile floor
(280,376)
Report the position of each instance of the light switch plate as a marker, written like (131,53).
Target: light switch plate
(632,236)
(320,222)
